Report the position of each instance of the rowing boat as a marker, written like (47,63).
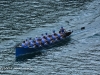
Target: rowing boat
(20,51)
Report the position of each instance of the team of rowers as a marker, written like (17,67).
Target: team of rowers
(44,39)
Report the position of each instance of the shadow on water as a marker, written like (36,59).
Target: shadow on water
(33,55)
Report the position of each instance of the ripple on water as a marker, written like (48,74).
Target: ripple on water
(79,57)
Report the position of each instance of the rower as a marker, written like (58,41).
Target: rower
(24,45)
(38,44)
(38,41)
(30,40)
(54,32)
(62,30)
(44,41)
(59,35)
(36,38)
(42,36)
(32,44)
(26,42)
(46,34)
(54,35)
(48,37)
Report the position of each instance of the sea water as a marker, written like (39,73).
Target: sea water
(21,19)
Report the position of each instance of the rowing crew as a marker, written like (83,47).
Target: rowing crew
(44,39)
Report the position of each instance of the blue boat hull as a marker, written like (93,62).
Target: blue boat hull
(25,51)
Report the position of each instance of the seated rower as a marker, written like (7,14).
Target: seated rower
(46,34)
(48,38)
(62,30)
(54,35)
(44,41)
(38,41)
(32,44)
(27,42)
(24,45)
(60,35)
(30,40)
(38,44)
(36,38)
(42,36)
(54,32)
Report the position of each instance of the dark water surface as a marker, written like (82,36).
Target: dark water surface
(21,19)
